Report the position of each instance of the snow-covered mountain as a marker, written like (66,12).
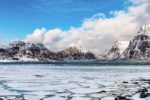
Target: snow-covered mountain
(22,51)
(139,47)
(19,50)
(116,50)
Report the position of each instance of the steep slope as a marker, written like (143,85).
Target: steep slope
(75,53)
(116,50)
(139,47)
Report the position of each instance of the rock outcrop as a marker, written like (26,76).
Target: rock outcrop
(134,89)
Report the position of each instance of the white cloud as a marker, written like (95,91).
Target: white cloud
(51,35)
(98,32)
(36,36)
(139,1)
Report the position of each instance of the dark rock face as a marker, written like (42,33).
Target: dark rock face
(144,93)
(139,47)
(121,98)
(74,53)
(38,51)
(3,53)
(19,50)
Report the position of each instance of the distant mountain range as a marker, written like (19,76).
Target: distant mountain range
(23,51)
(137,49)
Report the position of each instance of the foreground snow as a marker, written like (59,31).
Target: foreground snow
(50,82)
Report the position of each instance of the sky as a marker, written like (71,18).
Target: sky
(20,17)
(92,24)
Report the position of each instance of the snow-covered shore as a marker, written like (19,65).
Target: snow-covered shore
(54,82)
(135,89)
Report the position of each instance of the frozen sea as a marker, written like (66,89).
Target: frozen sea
(55,82)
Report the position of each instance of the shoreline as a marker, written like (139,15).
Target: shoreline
(82,62)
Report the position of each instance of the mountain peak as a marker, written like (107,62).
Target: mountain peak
(145,29)
(116,50)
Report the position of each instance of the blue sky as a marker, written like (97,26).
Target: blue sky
(21,17)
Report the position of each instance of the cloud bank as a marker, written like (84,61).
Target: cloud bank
(99,32)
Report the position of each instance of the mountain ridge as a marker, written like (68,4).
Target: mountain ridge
(24,51)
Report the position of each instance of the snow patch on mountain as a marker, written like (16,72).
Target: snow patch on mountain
(144,30)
